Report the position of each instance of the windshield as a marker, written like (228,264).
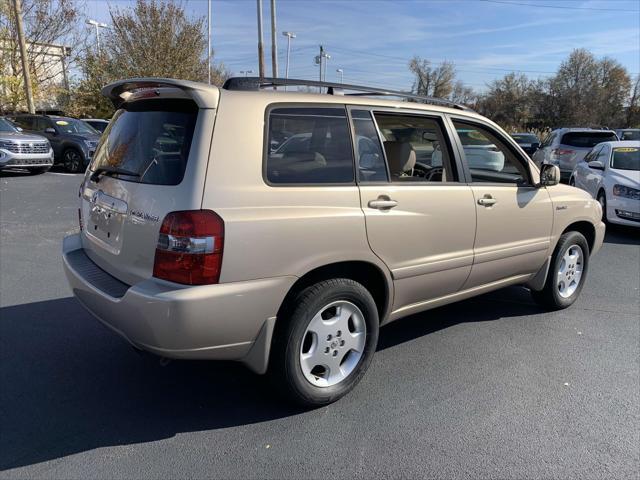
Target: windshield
(525,138)
(587,139)
(626,158)
(7,126)
(151,139)
(71,125)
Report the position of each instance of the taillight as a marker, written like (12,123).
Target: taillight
(189,249)
(562,151)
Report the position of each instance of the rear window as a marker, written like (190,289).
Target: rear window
(309,145)
(630,135)
(587,139)
(150,138)
(626,158)
(525,138)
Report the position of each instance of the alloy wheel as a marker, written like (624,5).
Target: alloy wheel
(570,270)
(333,344)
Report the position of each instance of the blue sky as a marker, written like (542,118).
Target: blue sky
(374,40)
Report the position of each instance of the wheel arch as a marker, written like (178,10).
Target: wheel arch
(584,227)
(366,273)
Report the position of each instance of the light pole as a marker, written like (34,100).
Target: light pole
(209,41)
(98,26)
(341,72)
(326,57)
(289,36)
(245,72)
(274,44)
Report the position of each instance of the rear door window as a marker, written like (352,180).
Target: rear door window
(415,147)
(587,139)
(309,145)
(149,138)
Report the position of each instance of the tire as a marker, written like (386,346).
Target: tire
(561,290)
(322,323)
(602,199)
(38,170)
(72,160)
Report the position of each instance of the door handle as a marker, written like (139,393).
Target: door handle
(382,203)
(487,201)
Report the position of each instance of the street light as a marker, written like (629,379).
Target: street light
(341,72)
(98,26)
(245,72)
(289,36)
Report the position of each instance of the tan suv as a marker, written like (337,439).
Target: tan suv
(281,229)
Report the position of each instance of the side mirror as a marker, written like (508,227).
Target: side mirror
(50,130)
(549,175)
(595,165)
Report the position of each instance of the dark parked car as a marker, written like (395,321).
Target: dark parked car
(527,141)
(97,123)
(628,133)
(73,140)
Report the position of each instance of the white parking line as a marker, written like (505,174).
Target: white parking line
(66,174)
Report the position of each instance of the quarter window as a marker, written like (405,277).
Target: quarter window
(309,145)
(369,154)
(488,157)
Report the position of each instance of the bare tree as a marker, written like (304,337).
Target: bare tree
(463,94)
(432,81)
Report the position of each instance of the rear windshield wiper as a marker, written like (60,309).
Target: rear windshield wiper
(95,176)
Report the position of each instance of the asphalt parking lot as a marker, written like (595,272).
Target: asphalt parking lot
(487,388)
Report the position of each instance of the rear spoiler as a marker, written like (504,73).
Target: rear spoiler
(133,89)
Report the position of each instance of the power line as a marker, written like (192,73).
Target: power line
(360,52)
(565,7)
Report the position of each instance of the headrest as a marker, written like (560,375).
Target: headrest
(401,157)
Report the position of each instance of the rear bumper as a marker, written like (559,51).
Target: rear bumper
(224,322)
(25,160)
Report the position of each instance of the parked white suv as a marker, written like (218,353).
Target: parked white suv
(281,229)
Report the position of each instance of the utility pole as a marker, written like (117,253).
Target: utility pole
(209,41)
(274,46)
(322,61)
(260,47)
(25,61)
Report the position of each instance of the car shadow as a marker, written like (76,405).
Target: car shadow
(622,235)
(68,385)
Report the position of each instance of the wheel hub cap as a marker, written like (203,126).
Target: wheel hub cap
(333,344)
(570,271)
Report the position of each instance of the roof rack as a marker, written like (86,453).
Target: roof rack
(257,83)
